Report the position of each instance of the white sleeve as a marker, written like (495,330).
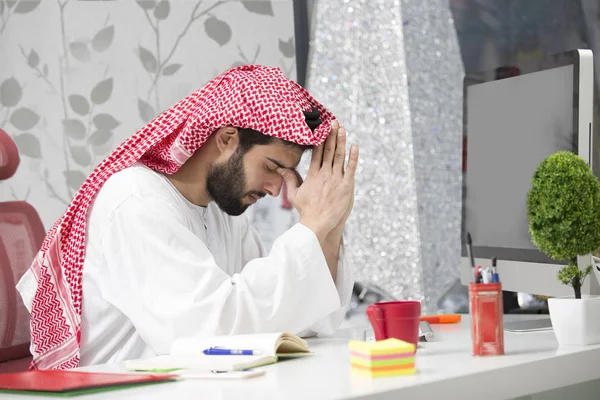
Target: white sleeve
(344,283)
(165,280)
(253,247)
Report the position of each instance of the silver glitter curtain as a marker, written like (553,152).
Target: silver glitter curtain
(391,71)
(435,75)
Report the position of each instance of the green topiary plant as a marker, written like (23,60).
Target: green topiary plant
(563,208)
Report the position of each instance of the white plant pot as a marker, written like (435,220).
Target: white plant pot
(576,322)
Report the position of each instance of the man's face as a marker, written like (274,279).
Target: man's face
(244,178)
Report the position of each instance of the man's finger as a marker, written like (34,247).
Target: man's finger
(316,159)
(290,180)
(352,163)
(299,179)
(340,152)
(330,145)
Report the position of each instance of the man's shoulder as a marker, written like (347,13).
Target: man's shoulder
(134,181)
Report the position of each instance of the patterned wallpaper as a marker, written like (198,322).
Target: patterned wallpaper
(79,77)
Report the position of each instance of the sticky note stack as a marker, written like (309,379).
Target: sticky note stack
(388,357)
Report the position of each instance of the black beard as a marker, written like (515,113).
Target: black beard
(225,184)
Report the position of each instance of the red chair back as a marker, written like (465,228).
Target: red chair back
(21,235)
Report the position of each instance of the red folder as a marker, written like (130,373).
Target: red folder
(69,383)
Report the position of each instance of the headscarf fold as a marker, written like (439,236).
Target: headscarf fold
(255,97)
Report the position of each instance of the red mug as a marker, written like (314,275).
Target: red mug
(396,319)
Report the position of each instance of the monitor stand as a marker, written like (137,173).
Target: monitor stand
(528,325)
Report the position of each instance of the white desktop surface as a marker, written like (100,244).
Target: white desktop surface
(533,363)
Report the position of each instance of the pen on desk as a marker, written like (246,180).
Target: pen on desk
(471,259)
(441,318)
(216,351)
(495,277)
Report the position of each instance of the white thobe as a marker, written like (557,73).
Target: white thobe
(160,269)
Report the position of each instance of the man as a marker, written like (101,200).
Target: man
(155,248)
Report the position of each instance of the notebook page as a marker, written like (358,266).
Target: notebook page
(168,363)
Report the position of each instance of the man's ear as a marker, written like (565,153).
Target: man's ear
(227,139)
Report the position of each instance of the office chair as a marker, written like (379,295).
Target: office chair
(21,235)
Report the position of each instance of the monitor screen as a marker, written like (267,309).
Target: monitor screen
(511,125)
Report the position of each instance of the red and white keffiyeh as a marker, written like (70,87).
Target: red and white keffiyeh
(256,97)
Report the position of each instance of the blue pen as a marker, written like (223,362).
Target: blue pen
(217,351)
(495,277)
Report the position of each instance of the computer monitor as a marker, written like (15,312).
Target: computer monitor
(514,117)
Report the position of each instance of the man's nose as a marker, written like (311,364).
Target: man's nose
(273,186)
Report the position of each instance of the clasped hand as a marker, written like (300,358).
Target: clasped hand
(326,197)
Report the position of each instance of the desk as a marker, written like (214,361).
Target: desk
(533,363)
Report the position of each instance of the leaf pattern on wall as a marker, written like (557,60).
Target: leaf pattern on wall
(79,104)
(171,69)
(10,92)
(74,128)
(33,59)
(103,39)
(287,48)
(218,30)
(81,155)
(74,179)
(28,145)
(26,6)
(102,91)
(146,111)
(103,149)
(70,97)
(262,7)
(148,59)
(100,138)
(80,52)
(24,119)
(105,122)
(162,9)
(146,4)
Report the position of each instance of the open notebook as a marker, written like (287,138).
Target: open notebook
(189,353)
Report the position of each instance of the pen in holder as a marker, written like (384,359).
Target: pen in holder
(487,326)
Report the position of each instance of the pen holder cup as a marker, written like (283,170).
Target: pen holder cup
(487,326)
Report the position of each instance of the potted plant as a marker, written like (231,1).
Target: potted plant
(563,209)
